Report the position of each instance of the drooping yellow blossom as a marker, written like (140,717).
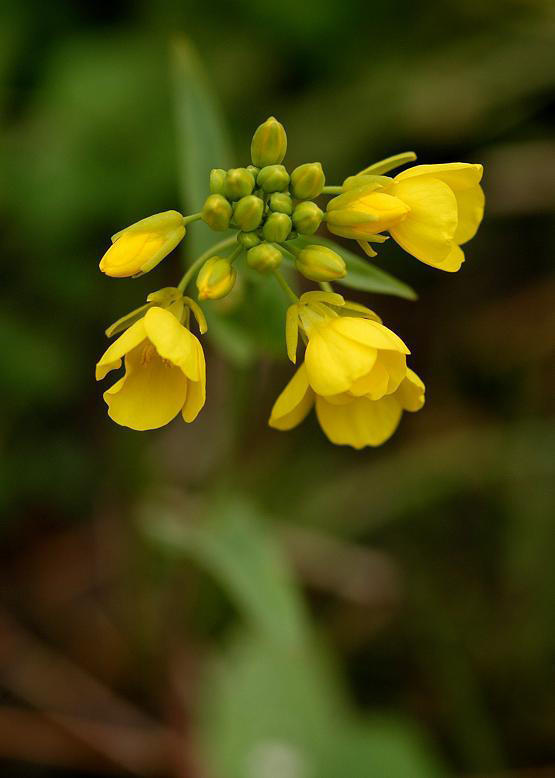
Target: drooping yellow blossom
(165,373)
(446,207)
(354,354)
(347,420)
(140,247)
(429,210)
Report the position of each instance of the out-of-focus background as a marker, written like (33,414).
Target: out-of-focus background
(222,600)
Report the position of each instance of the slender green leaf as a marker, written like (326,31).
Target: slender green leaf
(361,273)
(257,325)
(201,135)
(238,549)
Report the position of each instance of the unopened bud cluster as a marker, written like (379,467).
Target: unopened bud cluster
(268,206)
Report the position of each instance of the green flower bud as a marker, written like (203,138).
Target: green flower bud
(307,217)
(277,227)
(269,143)
(216,212)
(248,239)
(264,257)
(217,180)
(239,182)
(281,202)
(273,178)
(319,263)
(254,170)
(216,279)
(247,213)
(307,181)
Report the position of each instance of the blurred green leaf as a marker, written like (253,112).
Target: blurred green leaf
(269,713)
(202,136)
(257,325)
(362,273)
(238,549)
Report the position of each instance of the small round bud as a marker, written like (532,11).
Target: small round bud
(281,202)
(277,227)
(264,257)
(247,212)
(307,217)
(319,263)
(254,170)
(215,279)
(269,143)
(239,182)
(217,180)
(248,239)
(307,181)
(273,178)
(216,212)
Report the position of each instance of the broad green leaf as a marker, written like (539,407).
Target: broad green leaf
(361,273)
(201,137)
(273,713)
(235,546)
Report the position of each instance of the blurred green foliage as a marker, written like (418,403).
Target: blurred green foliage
(415,582)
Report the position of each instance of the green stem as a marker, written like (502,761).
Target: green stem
(385,165)
(190,272)
(285,286)
(326,286)
(194,217)
(234,254)
(332,190)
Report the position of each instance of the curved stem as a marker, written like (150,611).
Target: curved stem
(285,286)
(223,244)
(235,253)
(332,190)
(194,217)
(326,286)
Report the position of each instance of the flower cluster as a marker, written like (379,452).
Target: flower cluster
(355,369)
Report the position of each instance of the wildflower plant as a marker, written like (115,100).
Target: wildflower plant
(353,369)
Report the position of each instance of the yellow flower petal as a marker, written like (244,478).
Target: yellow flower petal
(470,205)
(151,393)
(427,231)
(111,359)
(410,393)
(292,332)
(396,366)
(361,213)
(129,253)
(453,260)
(196,391)
(457,175)
(362,422)
(374,384)
(370,333)
(173,341)
(334,362)
(294,403)
(140,247)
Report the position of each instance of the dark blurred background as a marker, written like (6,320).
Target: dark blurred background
(151,581)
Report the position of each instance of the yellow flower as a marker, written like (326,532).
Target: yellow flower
(446,207)
(165,373)
(140,247)
(430,210)
(349,354)
(348,420)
